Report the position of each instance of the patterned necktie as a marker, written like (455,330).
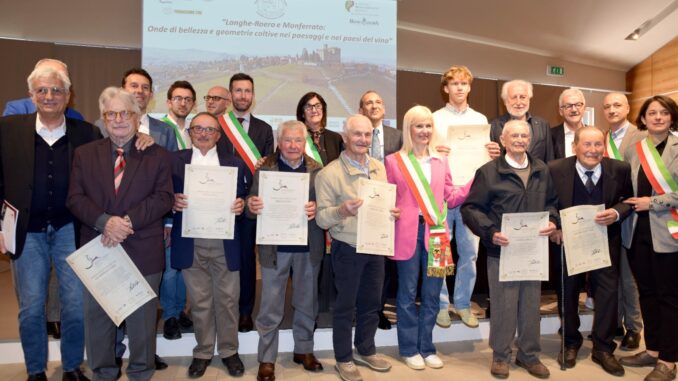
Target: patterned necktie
(376,145)
(589,182)
(240,120)
(118,168)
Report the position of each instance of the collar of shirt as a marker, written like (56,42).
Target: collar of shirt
(48,136)
(365,168)
(211,158)
(145,124)
(581,171)
(451,108)
(619,134)
(246,120)
(514,164)
(125,148)
(290,165)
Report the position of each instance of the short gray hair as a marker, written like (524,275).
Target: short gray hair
(290,125)
(352,119)
(571,91)
(505,87)
(114,92)
(514,123)
(48,72)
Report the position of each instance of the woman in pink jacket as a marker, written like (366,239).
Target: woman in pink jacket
(424,192)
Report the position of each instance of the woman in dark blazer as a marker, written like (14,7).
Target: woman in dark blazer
(312,110)
(653,253)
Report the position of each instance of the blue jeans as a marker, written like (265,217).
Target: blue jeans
(31,278)
(467,249)
(415,334)
(172,290)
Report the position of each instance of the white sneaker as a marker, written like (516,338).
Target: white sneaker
(416,362)
(433,361)
(443,319)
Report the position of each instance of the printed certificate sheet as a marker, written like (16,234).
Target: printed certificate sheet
(112,278)
(467,150)
(527,255)
(584,240)
(10,215)
(283,219)
(376,227)
(211,192)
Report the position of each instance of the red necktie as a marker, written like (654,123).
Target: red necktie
(119,168)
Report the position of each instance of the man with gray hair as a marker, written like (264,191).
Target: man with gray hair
(571,106)
(512,183)
(357,277)
(303,261)
(27,106)
(35,158)
(516,95)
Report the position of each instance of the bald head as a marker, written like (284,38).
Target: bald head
(217,100)
(616,110)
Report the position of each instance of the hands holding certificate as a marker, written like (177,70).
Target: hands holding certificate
(181,203)
(500,239)
(605,218)
(350,208)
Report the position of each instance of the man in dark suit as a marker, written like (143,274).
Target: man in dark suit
(210,266)
(241,87)
(571,106)
(385,141)
(35,155)
(590,178)
(516,95)
(122,194)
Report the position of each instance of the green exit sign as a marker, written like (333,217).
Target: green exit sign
(556,71)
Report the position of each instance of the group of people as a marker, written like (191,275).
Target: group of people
(128,189)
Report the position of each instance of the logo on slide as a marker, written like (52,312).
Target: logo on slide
(349,4)
(271,9)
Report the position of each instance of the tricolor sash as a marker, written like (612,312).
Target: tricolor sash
(659,176)
(439,254)
(611,149)
(177,133)
(312,150)
(240,140)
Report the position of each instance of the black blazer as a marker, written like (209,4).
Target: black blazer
(558,141)
(259,131)
(541,146)
(17,160)
(331,145)
(393,140)
(182,248)
(616,176)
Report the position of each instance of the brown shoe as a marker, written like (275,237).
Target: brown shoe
(570,357)
(537,369)
(499,369)
(608,362)
(661,372)
(309,361)
(639,359)
(266,372)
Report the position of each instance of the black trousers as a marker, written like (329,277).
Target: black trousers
(657,278)
(248,265)
(604,290)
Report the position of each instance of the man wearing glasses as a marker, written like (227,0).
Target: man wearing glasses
(571,106)
(211,267)
(35,151)
(217,100)
(180,103)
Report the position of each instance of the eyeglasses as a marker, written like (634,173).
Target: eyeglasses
(179,99)
(56,91)
(317,107)
(113,115)
(568,106)
(215,98)
(204,130)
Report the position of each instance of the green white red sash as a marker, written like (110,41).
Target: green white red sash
(312,150)
(439,255)
(659,176)
(611,149)
(240,140)
(177,133)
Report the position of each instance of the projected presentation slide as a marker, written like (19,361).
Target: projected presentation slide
(339,49)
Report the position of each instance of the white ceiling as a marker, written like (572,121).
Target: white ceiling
(584,31)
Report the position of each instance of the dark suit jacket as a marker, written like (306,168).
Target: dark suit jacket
(261,134)
(393,140)
(616,176)
(145,195)
(17,159)
(558,141)
(541,146)
(331,145)
(182,248)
